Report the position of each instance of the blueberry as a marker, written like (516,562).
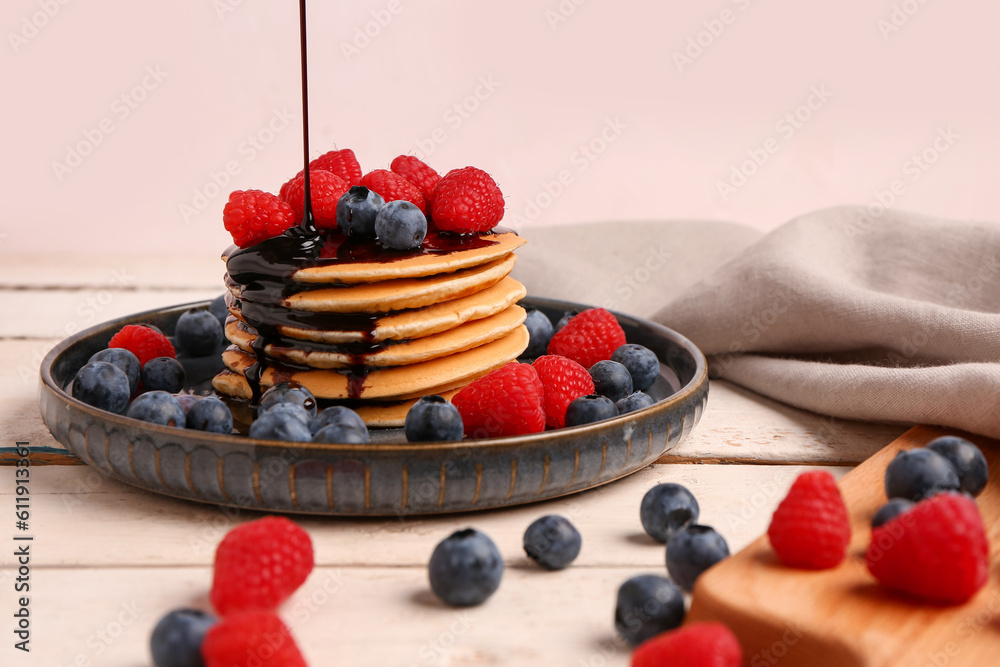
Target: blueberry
(465,568)
(567,316)
(641,363)
(356,212)
(967,459)
(634,401)
(210,414)
(588,409)
(158,407)
(611,379)
(177,638)
(162,374)
(280,425)
(293,410)
(400,225)
(539,333)
(219,308)
(666,509)
(186,401)
(433,418)
(338,414)
(891,510)
(288,392)
(341,433)
(648,605)
(919,473)
(198,332)
(552,542)
(692,550)
(102,385)
(124,360)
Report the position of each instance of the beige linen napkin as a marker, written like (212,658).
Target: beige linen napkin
(890,317)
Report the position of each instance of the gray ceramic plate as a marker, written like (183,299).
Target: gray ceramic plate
(389,477)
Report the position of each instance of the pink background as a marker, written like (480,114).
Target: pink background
(555,83)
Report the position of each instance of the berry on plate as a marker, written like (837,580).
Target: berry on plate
(177,638)
(467,200)
(325,190)
(162,374)
(287,421)
(432,418)
(648,605)
(144,342)
(252,638)
(102,385)
(641,362)
(692,550)
(340,415)
(252,216)
(591,336)
(400,225)
(552,542)
(811,527)
(342,433)
(937,551)
(465,568)
(634,401)
(704,644)
(343,163)
(393,187)
(198,332)
(415,171)
(966,458)
(665,509)
(124,360)
(288,392)
(919,473)
(563,380)
(259,564)
(356,212)
(158,407)
(210,414)
(611,379)
(589,409)
(539,333)
(506,401)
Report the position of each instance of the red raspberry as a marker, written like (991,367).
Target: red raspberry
(705,644)
(252,638)
(259,564)
(505,401)
(143,342)
(394,187)
(563,380)
(252,216)
(325,190)
(937,551)
(467,200)
(342,163)
(811,528)
(416,172)
(589,337)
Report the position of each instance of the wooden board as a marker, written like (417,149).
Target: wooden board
(841,617)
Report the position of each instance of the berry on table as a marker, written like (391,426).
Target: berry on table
(591,336)
(666,508)
(891,510)
(252,638)
(157,407)
(177,638)
(919,473)
(400,225)
(252,216)
(198,332)
(343,163)
(144,342)
(356,212)
(210,414)
(590,409)
(465,568)
(338,414)
(634,401)
(811,527)
(415,171)
(552,542)
(467,200)
(641,362)
(162,374)
(281,424)
(506,401)
(102,385)
(325,190)
(611,379)
(539,333)
(647,606)
(563,380)
(966,458)
(692,550)
(123,359)
(432,418)
(288,392)
(702,644)
(393,187)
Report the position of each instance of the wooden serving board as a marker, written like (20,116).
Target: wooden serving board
(842,617)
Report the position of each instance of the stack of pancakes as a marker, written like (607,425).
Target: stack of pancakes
(378,332)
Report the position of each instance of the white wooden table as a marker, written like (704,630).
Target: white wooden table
(108,560)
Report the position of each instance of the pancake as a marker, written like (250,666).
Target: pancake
(322,355)
(392,415)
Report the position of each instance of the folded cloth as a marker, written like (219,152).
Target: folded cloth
(886,316)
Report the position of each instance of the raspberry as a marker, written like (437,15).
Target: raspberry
(252,216)
(325,190)
(253,638)
(705,644)
(394,187)
(563,380)
(259,564)
(937,551)
(467,200)
(144,342)
(589,337)
(505,401)
(343,163)
(811,528)
(416,172)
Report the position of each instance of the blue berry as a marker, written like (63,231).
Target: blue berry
(177,638)
(648,605)
(611,379)
(567,316)
(341,433)
(186,401)
(280,425)
(400,225)
(552,542)
(433,418)
(589,409)
(891,510)
(967,459)
(102,385)
(634,401)
(539,333)
(465,568)
(163,374)
(692,550)
(666,509)
(338,414)
(218,308)
(641,363)
(288,392)
(124,360)
(158,407)
(357,210)
(293,410)
(919,473)
(210,414)
(198,332)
